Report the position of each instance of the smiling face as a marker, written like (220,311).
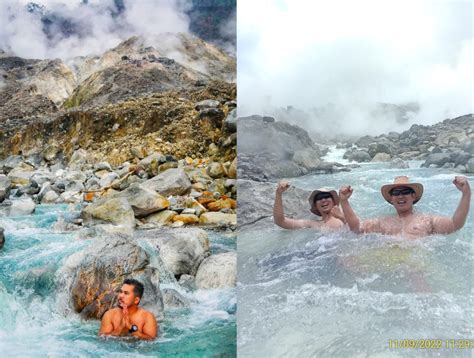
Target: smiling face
(127,296)
(324,203)
(402,198)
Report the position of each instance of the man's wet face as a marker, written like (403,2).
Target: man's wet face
(126,295)
(402,198)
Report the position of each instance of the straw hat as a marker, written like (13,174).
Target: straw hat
(333,193)
(402,181)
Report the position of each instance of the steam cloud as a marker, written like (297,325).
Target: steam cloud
(98,25)
(340,58)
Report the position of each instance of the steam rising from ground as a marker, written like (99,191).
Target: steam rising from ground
(334,60)
(95,26)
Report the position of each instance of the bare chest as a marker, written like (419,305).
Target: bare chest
(416,226)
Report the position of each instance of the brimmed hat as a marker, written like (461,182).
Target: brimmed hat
(333,193)
(402,181)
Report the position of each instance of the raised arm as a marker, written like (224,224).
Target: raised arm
(445,225)
(352,219)
(279,214)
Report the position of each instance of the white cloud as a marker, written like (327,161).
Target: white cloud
(22,32)
(353,54)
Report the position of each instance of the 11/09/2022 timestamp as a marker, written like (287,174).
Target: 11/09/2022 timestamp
(425,343)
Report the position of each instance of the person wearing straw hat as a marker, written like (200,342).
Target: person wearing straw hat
(323,202)
(403,195)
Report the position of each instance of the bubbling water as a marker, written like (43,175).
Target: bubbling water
(36,319)
(304,293)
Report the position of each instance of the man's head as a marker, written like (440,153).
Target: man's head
(402,194)
(130,293)
(323,200)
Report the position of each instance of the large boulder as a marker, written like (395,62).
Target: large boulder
(20,207)
(217,271)
(99,271)
(109,210)
(180,250)
(438,159)
(5,187)
(143,201)
(470,166)
(255,203)
(452,137)
(308,158)
(20,176)
(398,163)
(378,147)
(359,156)
(381,157)
(170,182)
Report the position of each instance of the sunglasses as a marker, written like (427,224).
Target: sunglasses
(322,196)
(398,192)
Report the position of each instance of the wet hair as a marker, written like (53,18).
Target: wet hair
(137,287)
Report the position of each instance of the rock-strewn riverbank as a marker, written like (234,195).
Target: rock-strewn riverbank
(448,144)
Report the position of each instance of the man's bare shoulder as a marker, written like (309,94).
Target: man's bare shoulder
(113,312)
(146,314)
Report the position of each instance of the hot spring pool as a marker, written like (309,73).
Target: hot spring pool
(307,294)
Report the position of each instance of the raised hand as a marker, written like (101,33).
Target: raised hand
(462,184)
(283,185)
(345,192)
(126,324)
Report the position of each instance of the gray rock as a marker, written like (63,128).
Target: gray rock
(381,157)
(174,299)
(50,197)
(78,159)
(143,201)
(170,182)
(359,156)
(2,238)
(308,158)
(375,148)
(99,270)
(255,203)
(20,207)
(215,170)
(207,103)
(116,211)
(5,187)
(103,166)
(20,176)
(107,179)
(470,166)
(180,250)
(217,271)
(462,158)
(12,162)
(155,157)
(231,121)
(438,159)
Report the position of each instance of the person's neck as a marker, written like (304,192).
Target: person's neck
(132,309)
(405,214)
(325,216)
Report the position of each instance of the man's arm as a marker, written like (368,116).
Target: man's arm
(279,214)
(445,225)
(352,219)
(149,328)
(107,327)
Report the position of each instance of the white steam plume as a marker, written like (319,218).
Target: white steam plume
(350,55)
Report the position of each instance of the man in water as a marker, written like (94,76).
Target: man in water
(403,195)
(128,318)
(323,203)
